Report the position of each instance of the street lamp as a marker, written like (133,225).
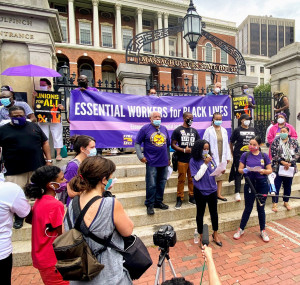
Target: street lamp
(192,26)
(186,80)
(65,69)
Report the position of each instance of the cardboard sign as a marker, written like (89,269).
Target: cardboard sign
(46,107)
(241,106)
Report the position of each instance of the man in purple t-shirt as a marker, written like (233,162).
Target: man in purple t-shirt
(83,83)
(155,138)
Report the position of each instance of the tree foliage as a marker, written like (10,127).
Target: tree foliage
(263,88)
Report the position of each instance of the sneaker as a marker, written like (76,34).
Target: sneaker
(178,203)
(238,234)
(192,200)
(264,236)
(237,197)
(18,224)
(150,210)
(161,206)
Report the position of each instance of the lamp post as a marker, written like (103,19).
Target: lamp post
(186,80)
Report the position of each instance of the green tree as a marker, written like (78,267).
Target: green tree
(263,88)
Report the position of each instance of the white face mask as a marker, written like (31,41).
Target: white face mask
(281,120)
(44,88)
(247,123)
(217,90)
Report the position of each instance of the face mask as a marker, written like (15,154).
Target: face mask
(156,122)
(5,102)
(283,136)
(61,186)
(92,152)
(205,153)
(246,91)
(189,122)
(247,123)
(82,84)
(217,90)
(109,182)
(44,88)
(18,121)
(253,148)
(218,123)
(280,120)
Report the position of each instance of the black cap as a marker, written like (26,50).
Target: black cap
(245,116)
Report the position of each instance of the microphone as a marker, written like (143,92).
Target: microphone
(212,161)
(205,236)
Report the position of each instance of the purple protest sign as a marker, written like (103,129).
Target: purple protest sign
(114,119)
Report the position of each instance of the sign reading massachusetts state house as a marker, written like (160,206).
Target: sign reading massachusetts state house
(171,62)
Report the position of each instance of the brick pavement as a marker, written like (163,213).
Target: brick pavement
(246,261)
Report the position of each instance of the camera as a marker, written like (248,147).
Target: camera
(165,237)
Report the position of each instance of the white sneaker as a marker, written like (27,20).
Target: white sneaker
(238,234)
(237,197)
(264,236)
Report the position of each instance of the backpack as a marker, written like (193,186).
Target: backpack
(75,259)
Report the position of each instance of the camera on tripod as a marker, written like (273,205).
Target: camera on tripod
(165,237)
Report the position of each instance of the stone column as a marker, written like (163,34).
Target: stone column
(159,26)
(179,49)
(118,27)
(133,78)
(166,25)
(96,23)
(72,29)
(139,12)
(184,48)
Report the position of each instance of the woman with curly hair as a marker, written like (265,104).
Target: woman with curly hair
(47,219)
(205,188)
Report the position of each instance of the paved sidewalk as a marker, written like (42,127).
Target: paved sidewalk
(246,261)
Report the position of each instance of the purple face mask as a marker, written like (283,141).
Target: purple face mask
(62,186)
(18,121)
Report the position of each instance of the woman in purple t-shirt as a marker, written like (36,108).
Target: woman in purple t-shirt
(259,180)
(205,187)
(84,146)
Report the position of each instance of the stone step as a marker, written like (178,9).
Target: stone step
(22,253)
(185,228)
(140,218)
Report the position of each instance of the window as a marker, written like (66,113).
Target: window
(194,53)
(64,28)
(262,81)
(106,36)
(281,36)
(147,47)
(262,69)
(254,38)
(61,8)
(146,23)
(252,68)
(127,36)
(224,57)
(195,80)
(172,47)
(272,37)
(207,80)
(289,35)
(208,52)
(224,82)
(264,40)
(85,36)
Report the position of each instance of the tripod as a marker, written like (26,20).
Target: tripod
(164,254)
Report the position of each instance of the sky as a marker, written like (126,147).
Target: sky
(238,10)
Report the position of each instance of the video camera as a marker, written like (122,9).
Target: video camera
(165,237)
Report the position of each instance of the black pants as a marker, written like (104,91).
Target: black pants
(5,270)
(238,176)
(212,202)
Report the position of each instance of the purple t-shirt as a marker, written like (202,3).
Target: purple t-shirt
(207,184)
(70,172)
(255,160)
(89,88)
(156,144)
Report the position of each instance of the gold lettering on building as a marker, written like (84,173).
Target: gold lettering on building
(17,21)
(16,35)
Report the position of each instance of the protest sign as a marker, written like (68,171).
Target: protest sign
(46,107)
(114,119)
(240,106)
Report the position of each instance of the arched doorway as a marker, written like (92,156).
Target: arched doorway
(109,67)
(176,78)
(86,67)
(61,61)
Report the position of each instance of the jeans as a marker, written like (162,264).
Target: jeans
(238,176)
(156,178)
(261,186)
(183,171)
(5,270)
(212,202)
(287,187)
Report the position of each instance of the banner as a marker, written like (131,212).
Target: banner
(114,119)
(240,106)
(46,107)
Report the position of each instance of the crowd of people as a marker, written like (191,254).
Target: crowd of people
(27,163)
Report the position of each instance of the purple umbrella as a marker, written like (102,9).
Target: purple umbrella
(30,70)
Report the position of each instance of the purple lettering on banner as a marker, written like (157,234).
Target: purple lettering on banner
(114,119)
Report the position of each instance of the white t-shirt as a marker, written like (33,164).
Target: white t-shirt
(12,201)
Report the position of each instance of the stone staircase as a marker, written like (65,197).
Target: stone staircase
(130,190)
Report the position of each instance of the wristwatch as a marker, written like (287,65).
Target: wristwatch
(49,160)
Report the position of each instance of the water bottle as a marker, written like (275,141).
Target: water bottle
(196,236)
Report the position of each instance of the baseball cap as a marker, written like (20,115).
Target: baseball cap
(245,116)
(7,88)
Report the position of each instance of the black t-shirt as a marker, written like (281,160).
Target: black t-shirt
(240,138)
(22,147)
(185,137)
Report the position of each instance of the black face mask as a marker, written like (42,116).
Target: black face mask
(189,122)
(82,84)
